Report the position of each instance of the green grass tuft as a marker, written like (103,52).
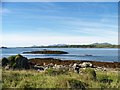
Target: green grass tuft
(34,79)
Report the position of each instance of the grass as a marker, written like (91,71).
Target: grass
(34,79)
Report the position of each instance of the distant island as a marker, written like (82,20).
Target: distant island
(3,47)
(46,52)
(94,45)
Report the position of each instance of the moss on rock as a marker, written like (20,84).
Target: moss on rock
(16,62)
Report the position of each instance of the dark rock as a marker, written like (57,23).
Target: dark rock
(21,62)
(4,61)
(11,60)
(88,55)
(18,62)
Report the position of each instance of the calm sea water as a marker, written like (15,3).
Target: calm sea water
(98,54)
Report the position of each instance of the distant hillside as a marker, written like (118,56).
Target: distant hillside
(58,45)
(94,45)
(101,44)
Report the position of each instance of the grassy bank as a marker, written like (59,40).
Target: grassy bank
(34,79)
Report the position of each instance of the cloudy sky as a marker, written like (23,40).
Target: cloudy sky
(27,24)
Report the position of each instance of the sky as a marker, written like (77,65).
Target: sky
(47,23)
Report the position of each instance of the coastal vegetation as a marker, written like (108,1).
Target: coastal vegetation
(48,79)
(20,72)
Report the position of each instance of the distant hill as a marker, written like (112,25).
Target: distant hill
(94,45)
(58,45)
(101,44)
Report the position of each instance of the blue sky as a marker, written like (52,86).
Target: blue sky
(26,24)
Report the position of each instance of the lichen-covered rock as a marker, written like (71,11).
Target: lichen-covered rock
(76,67)
(16,62)
(11,60)
(86,64)
(21,62)
(7,67)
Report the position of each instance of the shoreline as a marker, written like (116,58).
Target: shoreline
(41,61)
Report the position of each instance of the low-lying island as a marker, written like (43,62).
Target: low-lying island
(46,52)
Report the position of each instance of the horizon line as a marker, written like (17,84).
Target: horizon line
(59,44)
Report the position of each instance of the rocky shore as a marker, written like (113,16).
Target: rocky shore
(20,62)
(41,61)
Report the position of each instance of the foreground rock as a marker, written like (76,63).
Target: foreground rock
(47,52)
(15,62)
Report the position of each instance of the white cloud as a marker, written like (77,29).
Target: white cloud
(98,31)
(19,40)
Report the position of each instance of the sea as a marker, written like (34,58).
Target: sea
(89,54)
